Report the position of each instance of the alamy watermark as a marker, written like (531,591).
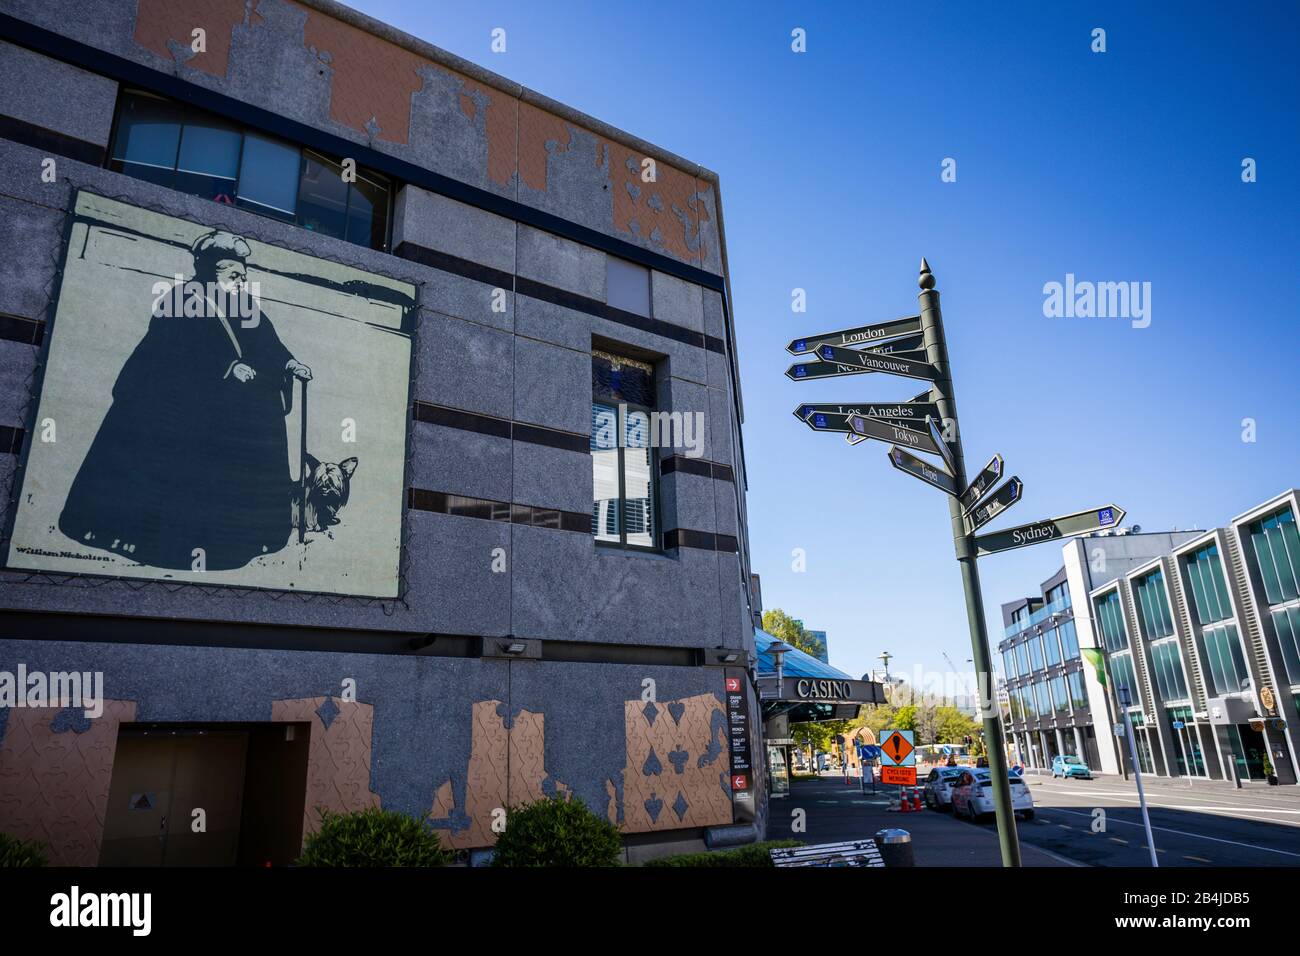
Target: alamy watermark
(59,689)
(196,300)
(634,428)
(1101,300)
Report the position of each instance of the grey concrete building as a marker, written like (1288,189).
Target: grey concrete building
(496,551)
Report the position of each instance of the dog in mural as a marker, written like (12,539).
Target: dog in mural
(328,486)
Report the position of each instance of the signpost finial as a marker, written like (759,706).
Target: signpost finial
(926,281)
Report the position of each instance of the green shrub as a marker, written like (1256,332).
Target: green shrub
(372,837)
(753,855)
(557,832)
(16,852)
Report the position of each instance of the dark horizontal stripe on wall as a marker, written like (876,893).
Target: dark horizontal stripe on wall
(696,466)
(15,328)
(446,262)
(463,506)
(501,427)
(137,74)
(47,140)
(581,303)
(579,652)
(100,629)
(11,440)
(701,540)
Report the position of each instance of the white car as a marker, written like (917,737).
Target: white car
(972,795)
(938,786)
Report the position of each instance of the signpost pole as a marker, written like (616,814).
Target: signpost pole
(964,544)
(1124,701)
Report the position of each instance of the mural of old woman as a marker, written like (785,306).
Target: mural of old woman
(193,451)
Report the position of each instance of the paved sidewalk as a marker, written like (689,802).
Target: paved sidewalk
(837,812)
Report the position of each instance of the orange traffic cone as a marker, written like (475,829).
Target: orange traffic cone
(905,804)
(916,799)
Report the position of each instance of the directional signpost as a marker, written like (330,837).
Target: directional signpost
(863,335)
(1081,522)
(936,433)
(919,468)
(918,425)
(985,480)
(872,362)
(912,414)
(994,505)
(889,432)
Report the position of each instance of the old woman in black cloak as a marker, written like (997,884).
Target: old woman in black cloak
(193,452)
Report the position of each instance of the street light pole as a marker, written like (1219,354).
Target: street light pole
(936,348)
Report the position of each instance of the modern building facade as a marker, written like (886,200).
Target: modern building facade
(1050,697)
(1204,638)
(1199,630)
(445,516)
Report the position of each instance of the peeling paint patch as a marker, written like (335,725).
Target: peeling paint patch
(166,27)
(540,134)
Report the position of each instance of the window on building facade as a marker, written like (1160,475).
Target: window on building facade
(1009,661)
(1167,665)
(1121,674)
(1153,606)
(627,285)
(1051,648)
(190,151)
(1078,693)
(1069,641)
(1043,704)
(1035,653)
(1111,618)
(623,462)
(1059,596)
(1286,622)
(1209,591)
(1022,656)
(1223,662)
(1027,699)
(1277,550)
(1017,708)
(1059,700)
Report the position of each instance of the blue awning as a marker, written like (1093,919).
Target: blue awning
(796,664)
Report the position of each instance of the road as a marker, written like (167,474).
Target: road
(1202,824)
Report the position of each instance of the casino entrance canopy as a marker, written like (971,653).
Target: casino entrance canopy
(807,689)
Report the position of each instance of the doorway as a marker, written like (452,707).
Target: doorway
(206,795)
(1247,748)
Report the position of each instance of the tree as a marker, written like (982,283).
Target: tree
(905,717)
(782,626)
(954,726)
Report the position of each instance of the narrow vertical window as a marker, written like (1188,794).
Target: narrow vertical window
(623,460)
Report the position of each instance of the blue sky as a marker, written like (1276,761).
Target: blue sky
(1115,166)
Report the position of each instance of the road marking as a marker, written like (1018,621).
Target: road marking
(1197,859)
(1119,840)
(1226,809)
(1155,800)
(1198,836)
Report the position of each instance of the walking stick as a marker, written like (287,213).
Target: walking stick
(302,468)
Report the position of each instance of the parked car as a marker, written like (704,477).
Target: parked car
(972,795)
(1068,765)
(938,787)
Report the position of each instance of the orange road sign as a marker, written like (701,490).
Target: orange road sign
(897,748)
(903,776)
